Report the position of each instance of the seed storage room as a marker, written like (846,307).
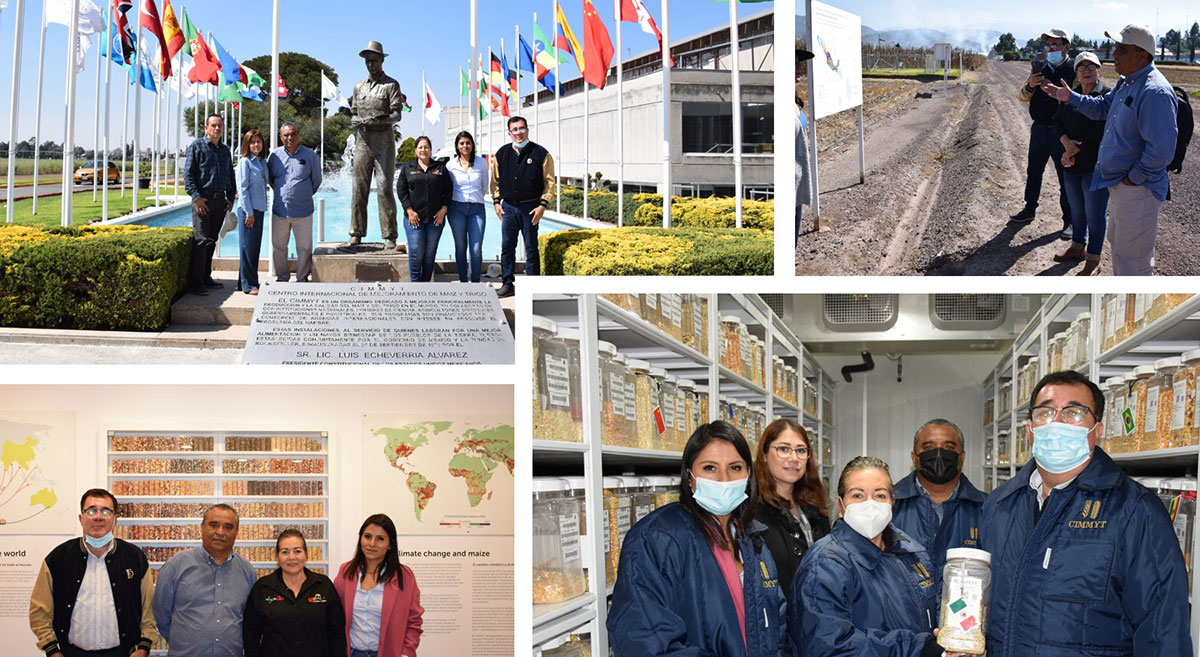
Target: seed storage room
(816,474)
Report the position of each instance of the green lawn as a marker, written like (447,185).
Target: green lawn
(84,209)
(908,74)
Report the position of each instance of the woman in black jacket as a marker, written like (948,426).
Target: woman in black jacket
(424,189)
(293,612)
(1081,137)
(791,498)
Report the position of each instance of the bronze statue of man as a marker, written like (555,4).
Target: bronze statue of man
(375,107)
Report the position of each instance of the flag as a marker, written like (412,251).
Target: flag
(547,59)
(281,90)
(91,19)
(142,74)
(111,47)
(567,41)
(171,29)
(186,89)
(634,11)
(229,65)
(404,106)
(228,91)
(124,32)
(510,74)
(206,64)
(466,83)
(150,21)
(498,83)
(597,47)
(329,91)
(433,109)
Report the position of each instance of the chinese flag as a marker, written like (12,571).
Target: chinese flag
(597,47)
(150,21)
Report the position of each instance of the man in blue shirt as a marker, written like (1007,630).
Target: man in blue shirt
(295,175)
(208,179)
(201,592)
(1138,144)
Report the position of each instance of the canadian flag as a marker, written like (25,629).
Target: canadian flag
(634,11)
(433,109)
(282,90)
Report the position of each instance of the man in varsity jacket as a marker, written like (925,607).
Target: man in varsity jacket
(522,188)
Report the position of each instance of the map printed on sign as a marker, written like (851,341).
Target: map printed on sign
(837,67)
(36,466)
(442,476)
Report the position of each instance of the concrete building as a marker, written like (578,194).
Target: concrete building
(701,117)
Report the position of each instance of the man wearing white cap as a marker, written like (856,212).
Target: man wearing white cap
(1057,67)
(1138,144)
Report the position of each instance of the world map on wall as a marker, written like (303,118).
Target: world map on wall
(26,490)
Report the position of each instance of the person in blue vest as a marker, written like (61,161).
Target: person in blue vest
(936,505)
(865,589)
(695,576)
(522,187)
(1085,559)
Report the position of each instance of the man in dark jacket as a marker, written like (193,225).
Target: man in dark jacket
(522,188)
(92,595)
(937,505)
(1059,68)
(209,180)
(1085,558)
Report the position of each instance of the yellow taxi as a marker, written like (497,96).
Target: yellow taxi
(85,173)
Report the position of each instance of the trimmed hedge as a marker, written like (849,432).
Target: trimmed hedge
(93,277)
(686,211)
(643,251)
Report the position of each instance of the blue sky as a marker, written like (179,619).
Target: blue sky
(433,36)
(1024,18)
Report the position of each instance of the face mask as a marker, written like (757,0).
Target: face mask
(1059,447)
(720,498)
(1055,58)
(521,144)
(938,465)
(868,518)
(98,542)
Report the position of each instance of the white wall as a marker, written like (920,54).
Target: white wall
(946,386)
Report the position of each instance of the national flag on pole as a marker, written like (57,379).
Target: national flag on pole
(597,47)
(151,21)
(206,64)
(228,91)
(404,106)
(281,90)
(124,32)
(634,11)
(510,74)
(329,91)
(142,74)
(498,83)
(229,65)
(547,58)
(111,47)
(186,89)
(540,72)
(567,41)
(465,83)
(171,29)
(91,19)
(433,109)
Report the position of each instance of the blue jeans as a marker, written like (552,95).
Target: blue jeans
(249,244)
(467,222)
(422,249)
(1087,211)
(363,653)
(517,220)
(1044,145)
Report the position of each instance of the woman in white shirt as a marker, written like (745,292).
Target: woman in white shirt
(379,595)
(469,174)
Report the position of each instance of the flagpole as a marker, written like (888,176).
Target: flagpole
(620,121)
(517,69)
(275,76)
(474,86)
(12,112)
(37,121)
(537,117)
(587,133)
(124,139)
(422,102)
(96,131)
(107,111)
(666,119)
(137,111)
(737,110)
(178,120)
(558,112)
(68,196)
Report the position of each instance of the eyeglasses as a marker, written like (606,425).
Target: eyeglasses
(785,451)
(93,511)
(1074,414)
(1087,67)
(518,130)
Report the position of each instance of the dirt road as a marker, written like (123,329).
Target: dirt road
(944,172)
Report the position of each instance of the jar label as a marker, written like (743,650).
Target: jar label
(1151,409)
(630,401)
(651,301)
(623,519)
(616,393)
(568,526)
(558,383)
(698,318)
(1139,307)
(643,510)
(668,414)
(1178,404)
(680,413)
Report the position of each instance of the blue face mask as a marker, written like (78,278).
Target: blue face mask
(1055,58)
(98,542)
(521,144)
(1060,447)
(720,498)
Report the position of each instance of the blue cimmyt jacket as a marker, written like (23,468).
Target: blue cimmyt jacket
(849,598)
(671,599)
(913,514)
(1100,573)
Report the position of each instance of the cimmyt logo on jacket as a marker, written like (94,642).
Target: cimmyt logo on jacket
(972,537)
(1090,517)
(926,580)
(768,581)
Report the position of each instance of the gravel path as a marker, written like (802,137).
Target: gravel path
(943,175)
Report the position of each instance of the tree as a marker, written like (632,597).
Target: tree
(407,150)
(1007,43)
(1034,45)
(1172,39)
(1193,40)
(1080,43)
(1108,49)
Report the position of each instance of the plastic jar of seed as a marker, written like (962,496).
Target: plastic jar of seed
(624,301)
(687,312)
(628,415)
(966,587)
(826,450)
(747,353)
(1114,403)
(1054,352)
(731,342)
(1083,344)
(702,416)
(557,558)
(668,396)
(1141,306)
(789,379)
(700,319)
(650,309)
(612,395)
(687,396)
(641,497)
(1129,327)
(665,489)
(1002,453)
(552,402)
(570,337)
(645,401)
(1183,416)
(618,517)
(673,315)
(1175,300)
(1138,392)
(1161,401)
(758,350)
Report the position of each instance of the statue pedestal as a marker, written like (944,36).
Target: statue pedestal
(365,263)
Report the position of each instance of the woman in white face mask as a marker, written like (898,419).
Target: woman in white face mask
(866,588)
(695,576)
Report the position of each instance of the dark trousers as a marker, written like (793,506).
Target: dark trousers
(205,228)
(71,651)
(249,245)
(518,220)
(1042,146)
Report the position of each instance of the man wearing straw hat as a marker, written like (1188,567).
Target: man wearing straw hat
(375,107)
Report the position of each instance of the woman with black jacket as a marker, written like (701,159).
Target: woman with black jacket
(293,611)
(424,189)
(791,497)
(1081,137)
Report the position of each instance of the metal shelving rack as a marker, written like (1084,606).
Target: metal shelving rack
(599,319)
(1175,332)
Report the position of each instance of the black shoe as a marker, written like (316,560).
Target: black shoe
(1024,216)
(212,285)
(506,290)
(1066,233)
(198,291)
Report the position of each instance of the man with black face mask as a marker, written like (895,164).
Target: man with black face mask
(936,505)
